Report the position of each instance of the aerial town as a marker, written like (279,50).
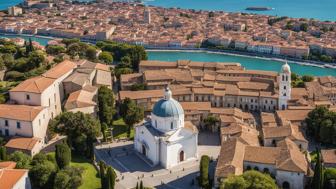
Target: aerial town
(91,110)
(161,28)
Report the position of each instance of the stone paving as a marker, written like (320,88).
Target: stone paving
(132,168)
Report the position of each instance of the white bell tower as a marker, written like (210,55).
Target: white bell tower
(284,87)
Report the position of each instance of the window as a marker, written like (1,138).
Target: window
(266,101)
(28,97)
(39,122)
(55,96)
(286,77)
(283,78)
(18,125)
(156,123)
(49,101)
(285,87)
(285,94)
(171,125)
(6,122)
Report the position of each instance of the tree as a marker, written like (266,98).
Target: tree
(204,171)
(234,182)
(91,53)
(105,105)
(68,42)
(81,129)
(330,178)
(316,119)
(133,114)
(138,87)
(102,174)
(42,174)
(63,155)
(3,153)
(249,180)
(141,185)
(211,120)
(22,160)
(304,27)
(126,62)
(105,57)
(120,71)
(307,78)
(318,178)
(111,177)
(68,178)
(35,59)
(55,49)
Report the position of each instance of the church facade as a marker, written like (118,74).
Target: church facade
(166,139)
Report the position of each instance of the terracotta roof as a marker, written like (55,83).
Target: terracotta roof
(102,67)
(190,126)
(9,177)
(7,165)
(22,143)
(141,94)
(293,115)
(34,85)
(60,69)
(80,99)
(329,156)
(19,112)
(201,106)
(257,154)
(230,160)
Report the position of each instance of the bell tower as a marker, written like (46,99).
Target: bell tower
(284,87)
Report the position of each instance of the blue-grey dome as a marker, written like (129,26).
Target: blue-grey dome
(167,108)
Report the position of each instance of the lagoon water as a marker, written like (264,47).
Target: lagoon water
(247,62)
(322,9)
(318,9)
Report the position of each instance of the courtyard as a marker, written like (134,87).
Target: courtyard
(132,167)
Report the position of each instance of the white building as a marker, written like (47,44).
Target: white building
(284,86)
(11,178)
(166,139)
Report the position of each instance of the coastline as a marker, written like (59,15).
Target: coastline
(212,51)
(247,55)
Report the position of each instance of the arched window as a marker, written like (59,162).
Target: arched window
(286,77)
(181,156)
(266,170)
(285,87)
(256,168)
(285,94)
(248,167)
(285,185)
(156,123)
(283,78)
(171,125)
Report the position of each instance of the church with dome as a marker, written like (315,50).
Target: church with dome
(166,139)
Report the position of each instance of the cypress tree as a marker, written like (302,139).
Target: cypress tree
(318,173)
(3,153)
(63,155)
(137,186)
(111,177)
(102,173)
(141,185)
(204,171)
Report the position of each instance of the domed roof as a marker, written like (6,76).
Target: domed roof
(167,107)
(285,68)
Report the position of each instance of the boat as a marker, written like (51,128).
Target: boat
(259,8)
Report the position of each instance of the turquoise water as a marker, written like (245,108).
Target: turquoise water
(248,63)
(319,9)
(43,41)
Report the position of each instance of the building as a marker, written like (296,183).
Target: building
(166,139)
(11,178)
(286,162)
(147,16)
(29,146)
(284,87)
(329,157)
(14,11)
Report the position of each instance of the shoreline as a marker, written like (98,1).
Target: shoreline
(241,54)
(213,51)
